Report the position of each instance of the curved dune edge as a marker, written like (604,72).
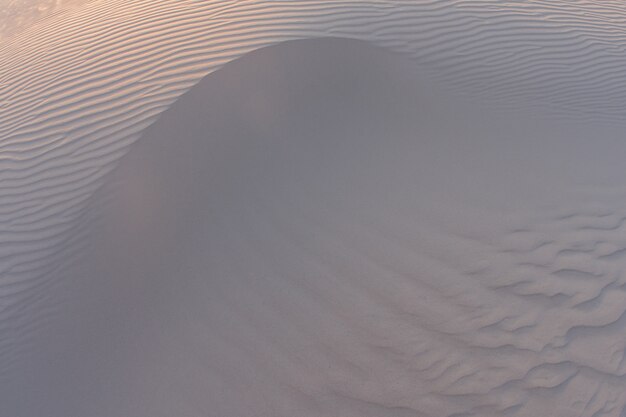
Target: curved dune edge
(333,256)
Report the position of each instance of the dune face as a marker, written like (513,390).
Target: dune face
(427,221)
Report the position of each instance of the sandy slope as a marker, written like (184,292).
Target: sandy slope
(319,228)
(17,15)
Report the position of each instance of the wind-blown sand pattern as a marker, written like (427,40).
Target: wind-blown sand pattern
(425,220)
(16,15)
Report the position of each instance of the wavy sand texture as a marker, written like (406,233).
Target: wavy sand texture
(17,15)
(491,290)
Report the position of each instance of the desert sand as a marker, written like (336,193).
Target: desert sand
(314,209)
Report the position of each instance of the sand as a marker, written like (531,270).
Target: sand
(205,216)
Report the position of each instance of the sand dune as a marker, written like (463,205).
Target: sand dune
(322,227)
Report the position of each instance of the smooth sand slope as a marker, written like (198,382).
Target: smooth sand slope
(321,227)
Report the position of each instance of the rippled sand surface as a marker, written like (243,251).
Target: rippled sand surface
(313,209)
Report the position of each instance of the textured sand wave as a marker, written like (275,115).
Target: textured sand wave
(16,15)
(547,297)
